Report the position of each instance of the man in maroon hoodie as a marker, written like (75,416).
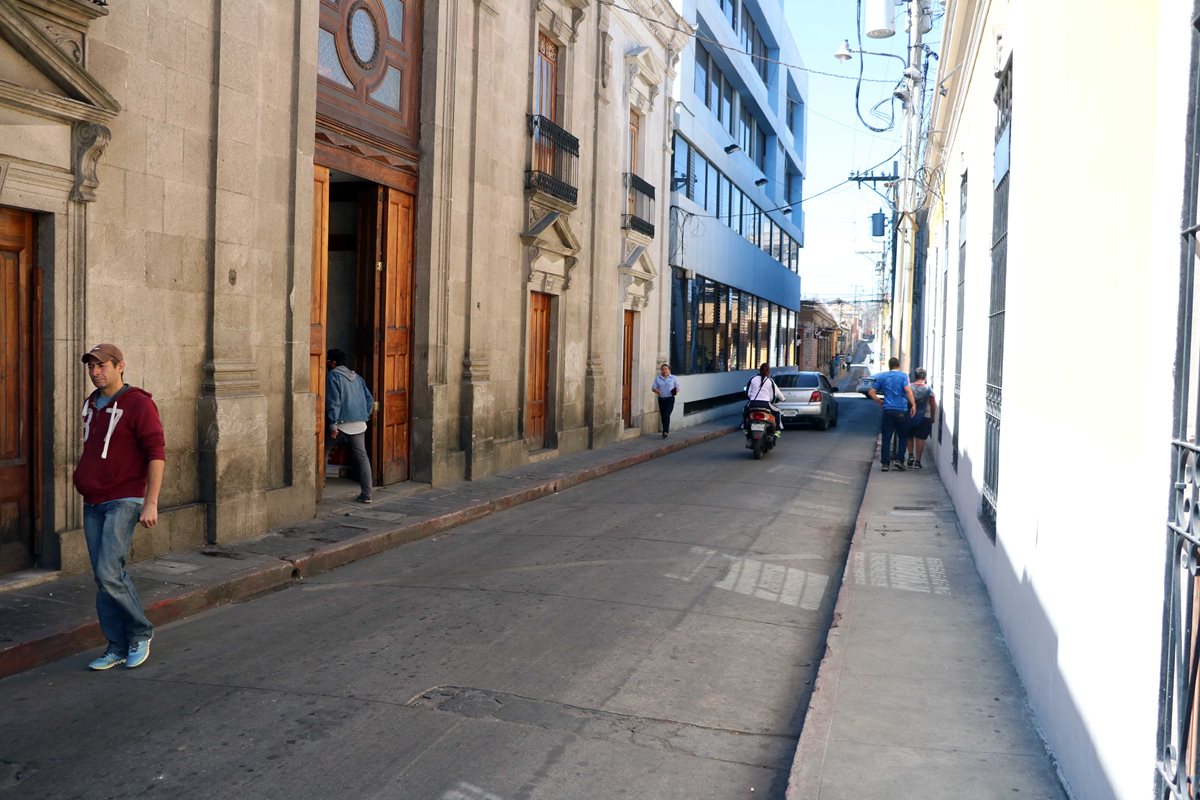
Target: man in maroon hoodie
(119,474)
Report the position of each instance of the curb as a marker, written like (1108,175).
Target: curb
(804,779)
(70,639)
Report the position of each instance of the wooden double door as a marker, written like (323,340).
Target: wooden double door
(377,244)
(627,369)
(537,389)
(20,305)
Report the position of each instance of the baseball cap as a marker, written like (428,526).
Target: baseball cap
(104,352)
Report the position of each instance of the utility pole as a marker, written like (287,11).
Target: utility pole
(914,102)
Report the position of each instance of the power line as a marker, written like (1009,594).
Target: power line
(688,215)
(714,43)
(891,101)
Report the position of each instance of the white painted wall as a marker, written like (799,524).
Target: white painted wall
(1076,572)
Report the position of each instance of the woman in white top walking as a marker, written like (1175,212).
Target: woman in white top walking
(665,388)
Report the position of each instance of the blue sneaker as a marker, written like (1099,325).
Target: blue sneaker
(138,653)
(111,658)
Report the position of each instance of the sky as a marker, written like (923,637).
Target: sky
(837,224)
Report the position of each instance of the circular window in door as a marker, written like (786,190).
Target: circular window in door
(364,36)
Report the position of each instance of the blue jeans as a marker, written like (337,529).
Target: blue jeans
(895,427)
(358,448)
(108,528)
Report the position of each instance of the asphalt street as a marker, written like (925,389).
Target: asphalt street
(651,634)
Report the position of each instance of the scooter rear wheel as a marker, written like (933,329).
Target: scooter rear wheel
(757,447)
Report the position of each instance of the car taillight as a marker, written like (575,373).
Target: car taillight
(815,397)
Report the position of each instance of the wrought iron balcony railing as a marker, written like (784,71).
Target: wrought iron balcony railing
(640,206)
(555,168)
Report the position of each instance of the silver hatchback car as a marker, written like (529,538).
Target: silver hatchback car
(807,396)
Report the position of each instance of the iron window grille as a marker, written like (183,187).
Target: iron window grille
(962,313)
(1179,718)
(640,205)
(995,366)
(942,349)
(555,168)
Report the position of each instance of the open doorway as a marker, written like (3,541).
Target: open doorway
(362,287)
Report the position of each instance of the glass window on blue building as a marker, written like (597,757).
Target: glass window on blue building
(698,180)
(717,328)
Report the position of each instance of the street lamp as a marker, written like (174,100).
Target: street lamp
(844,54)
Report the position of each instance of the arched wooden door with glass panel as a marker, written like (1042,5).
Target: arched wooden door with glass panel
(366,157)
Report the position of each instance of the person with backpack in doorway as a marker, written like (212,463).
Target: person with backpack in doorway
(348,406)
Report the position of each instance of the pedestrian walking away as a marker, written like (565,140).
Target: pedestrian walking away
(348,406)
(922,423)
(761,392)
(119,475)
(899,406)
(665,388)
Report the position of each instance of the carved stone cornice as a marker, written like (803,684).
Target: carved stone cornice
(36,44)
(549,230)
(637,277)
(88,141)
(43,104)
(74,13)
(553,16)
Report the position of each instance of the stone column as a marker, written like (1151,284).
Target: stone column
(232,416)
(478,423)
(606,196)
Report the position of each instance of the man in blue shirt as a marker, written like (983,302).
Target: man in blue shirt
(898,406)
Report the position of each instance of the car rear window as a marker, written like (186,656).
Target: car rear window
(797,381)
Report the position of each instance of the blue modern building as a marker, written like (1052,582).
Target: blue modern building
(737,225)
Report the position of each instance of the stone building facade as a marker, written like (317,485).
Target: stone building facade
(154,167)
(545,128)
(227,189)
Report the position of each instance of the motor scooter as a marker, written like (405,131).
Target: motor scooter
(761,435)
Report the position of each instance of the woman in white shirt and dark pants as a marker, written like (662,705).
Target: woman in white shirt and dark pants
(665,387)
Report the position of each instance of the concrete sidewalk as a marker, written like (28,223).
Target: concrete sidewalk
(916,696)
(45,617)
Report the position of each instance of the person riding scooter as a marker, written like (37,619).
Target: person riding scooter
(761,392)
